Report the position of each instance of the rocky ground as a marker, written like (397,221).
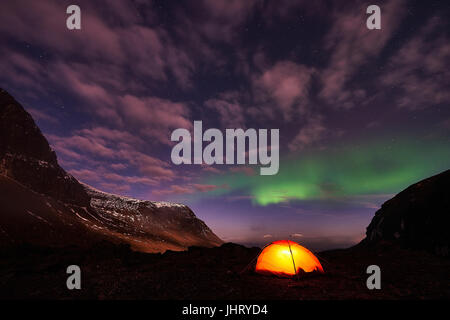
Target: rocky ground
(115,272)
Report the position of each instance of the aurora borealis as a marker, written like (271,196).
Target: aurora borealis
(371,167)
(362,114)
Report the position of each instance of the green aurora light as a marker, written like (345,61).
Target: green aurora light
(374,167)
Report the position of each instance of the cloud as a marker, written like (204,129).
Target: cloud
(101,74)
(115,188)
(118,166)
(21,70)
(284,87)
(312,132)
(418,71)
(219,19)
(187,189)
(86,175)
(296,235)
(124,40)
(211,169)
(23,18)
(248,171)
(240,198)
(42,116)
(351,46)
(156,116)
(153,116)
(94,155)
(83,144)
(129,179)
(206,187)
(231,114)
(119,184)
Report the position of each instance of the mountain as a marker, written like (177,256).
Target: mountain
(417,217)
(27,157)
(42,204)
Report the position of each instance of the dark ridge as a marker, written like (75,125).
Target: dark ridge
(418,217)
(26,156)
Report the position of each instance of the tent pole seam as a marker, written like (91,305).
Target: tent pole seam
(292,256)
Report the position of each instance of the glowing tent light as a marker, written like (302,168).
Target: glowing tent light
(286,258)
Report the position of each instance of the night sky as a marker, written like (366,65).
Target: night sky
(362,113)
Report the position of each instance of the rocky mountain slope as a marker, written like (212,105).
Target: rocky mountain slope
(417,217)
(26,156)
(40,203)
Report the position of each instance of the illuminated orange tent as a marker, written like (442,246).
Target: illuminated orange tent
(286,258)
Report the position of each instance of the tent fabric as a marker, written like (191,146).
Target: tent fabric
(286,258)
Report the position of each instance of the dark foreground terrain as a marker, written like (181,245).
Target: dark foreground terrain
(115,272)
